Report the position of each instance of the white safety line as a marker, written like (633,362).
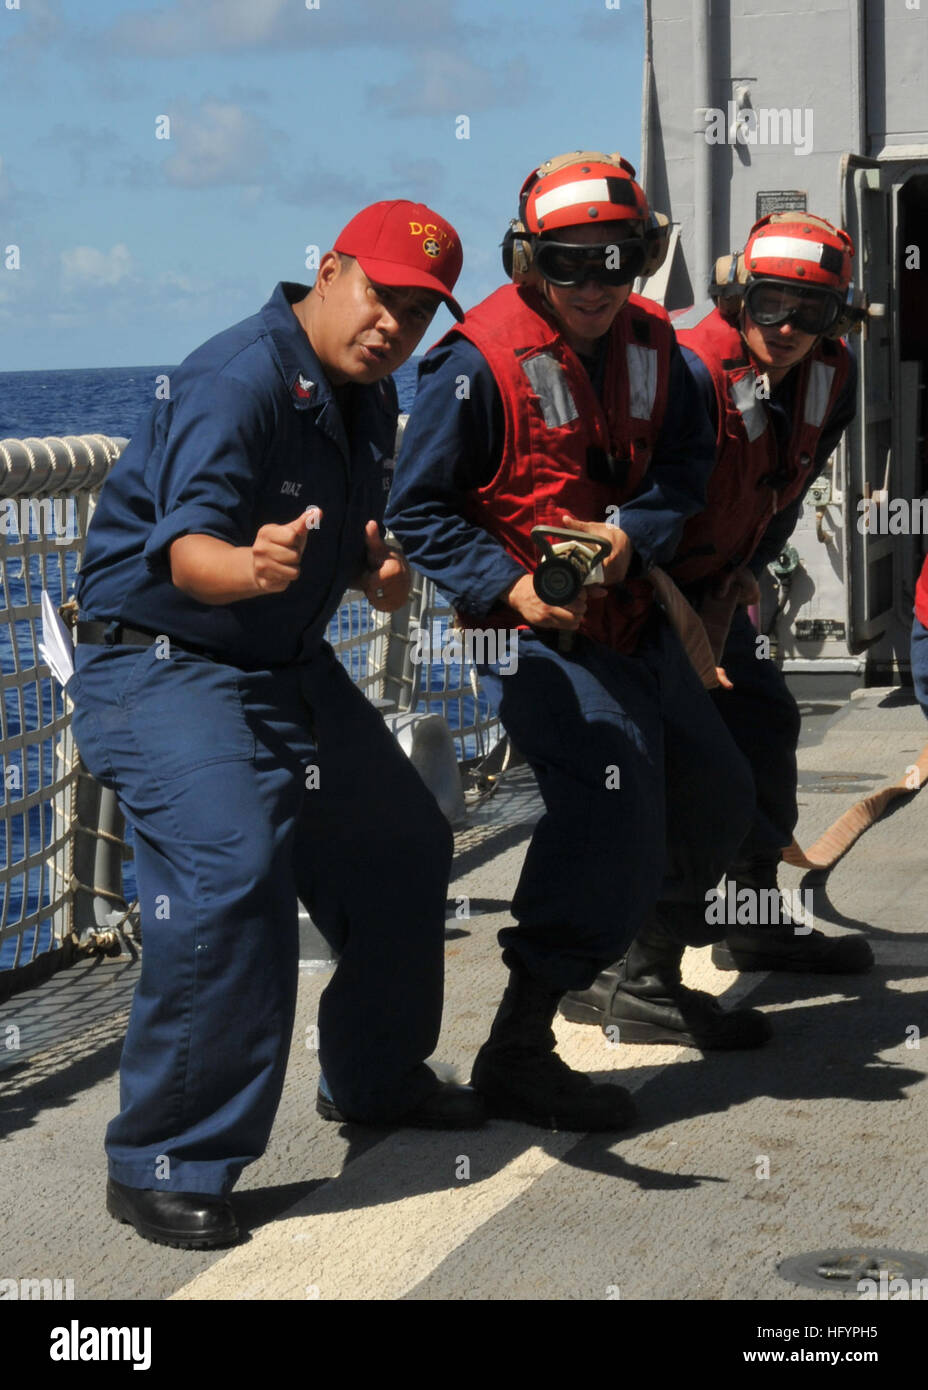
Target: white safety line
(394,1214)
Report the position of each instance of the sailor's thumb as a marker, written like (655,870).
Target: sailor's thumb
(377,548)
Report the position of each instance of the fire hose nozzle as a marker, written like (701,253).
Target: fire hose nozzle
(573,560)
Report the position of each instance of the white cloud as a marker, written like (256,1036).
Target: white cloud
(216,25)
(211,25)
(86,266)
(219,143)
(447,83)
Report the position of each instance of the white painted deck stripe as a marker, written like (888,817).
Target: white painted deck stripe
(360,1237)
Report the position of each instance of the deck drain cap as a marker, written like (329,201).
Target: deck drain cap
(840,1271)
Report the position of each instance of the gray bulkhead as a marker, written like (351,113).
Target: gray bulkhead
(751,108)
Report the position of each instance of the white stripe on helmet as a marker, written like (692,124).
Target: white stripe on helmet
(571,194)
(790,246)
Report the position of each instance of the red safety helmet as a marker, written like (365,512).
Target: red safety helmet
(585,186)
(794,249)
(582,186)
(808,250)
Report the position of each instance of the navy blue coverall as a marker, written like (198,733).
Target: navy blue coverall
(918,651)
(252,769)
(596,863)
(760,713)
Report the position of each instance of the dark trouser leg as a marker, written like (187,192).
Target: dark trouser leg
(209,1033)
(919,655)
(710,800)
(588,723)
(710,804)
(763,719)
(372,859)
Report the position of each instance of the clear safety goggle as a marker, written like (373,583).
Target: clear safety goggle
(809,308)
(613,263)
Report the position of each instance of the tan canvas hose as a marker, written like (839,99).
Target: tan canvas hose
(703,635)
(838,838)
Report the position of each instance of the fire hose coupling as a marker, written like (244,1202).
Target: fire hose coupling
(785,564)
(574,559)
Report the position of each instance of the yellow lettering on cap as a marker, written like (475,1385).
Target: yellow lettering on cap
(415,229)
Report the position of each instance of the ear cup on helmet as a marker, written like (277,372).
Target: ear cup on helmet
(852,316)
(517,252)
(728,277)
(657,240)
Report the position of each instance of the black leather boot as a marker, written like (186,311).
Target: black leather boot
(186,1220)
(781,943)
(520,1076)
(643,998)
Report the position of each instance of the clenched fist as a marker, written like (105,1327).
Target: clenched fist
(386,578)
(522,597)
(278,551)
(615,565)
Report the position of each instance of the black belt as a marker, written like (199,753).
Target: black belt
(115,634)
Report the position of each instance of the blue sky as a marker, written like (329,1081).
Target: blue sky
(284,120)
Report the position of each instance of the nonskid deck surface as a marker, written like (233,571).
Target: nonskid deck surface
(833,1108)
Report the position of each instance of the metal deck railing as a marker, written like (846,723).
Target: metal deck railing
(62,841)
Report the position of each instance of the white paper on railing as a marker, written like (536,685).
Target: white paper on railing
(56,648)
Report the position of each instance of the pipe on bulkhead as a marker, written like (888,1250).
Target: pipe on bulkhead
(702,151)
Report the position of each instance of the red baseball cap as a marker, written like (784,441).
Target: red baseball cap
(402,243)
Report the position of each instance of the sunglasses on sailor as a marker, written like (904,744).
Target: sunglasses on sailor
(808,309)
(612,263)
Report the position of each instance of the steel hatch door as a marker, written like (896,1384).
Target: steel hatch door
(869,470)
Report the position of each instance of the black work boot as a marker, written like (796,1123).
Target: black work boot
(520,1076)
(643,998)
(773,940)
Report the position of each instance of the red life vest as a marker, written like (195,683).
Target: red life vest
(563,450)
(750,482)
(921,595)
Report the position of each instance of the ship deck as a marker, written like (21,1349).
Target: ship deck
(676,1209)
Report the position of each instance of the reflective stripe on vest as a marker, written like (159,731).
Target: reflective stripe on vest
(550,384)
(749,407)
(818,392)
(642,380)
(565,449)
(689,318)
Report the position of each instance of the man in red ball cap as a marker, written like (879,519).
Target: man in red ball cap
(252,769)
(397,256)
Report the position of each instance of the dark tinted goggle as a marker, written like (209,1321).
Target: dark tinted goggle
(614,263)
(809,309)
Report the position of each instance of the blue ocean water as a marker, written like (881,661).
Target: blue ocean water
(100,400)
(109,401)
